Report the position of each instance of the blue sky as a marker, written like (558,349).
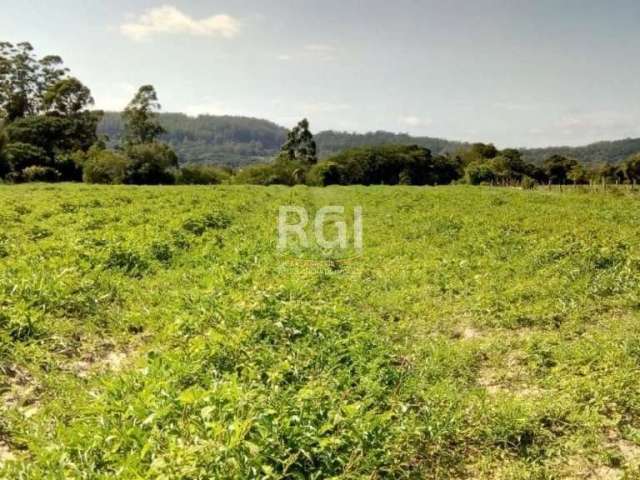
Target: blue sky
(516,73)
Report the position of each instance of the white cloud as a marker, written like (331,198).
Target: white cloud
(414,121)
(168,19)
(283,57)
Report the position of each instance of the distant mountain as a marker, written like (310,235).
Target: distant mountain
(238,141)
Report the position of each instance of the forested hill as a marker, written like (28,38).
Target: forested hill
(331,142)
(237,141)
(593,154)
(222,140)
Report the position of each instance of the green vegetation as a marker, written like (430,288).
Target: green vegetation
(209,139)
(240,141)
(389,164)
(158,333)
(49,134)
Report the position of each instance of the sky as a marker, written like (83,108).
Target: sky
(515,73)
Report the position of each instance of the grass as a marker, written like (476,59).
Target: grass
(159,333)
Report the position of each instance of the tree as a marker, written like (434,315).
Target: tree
(631,168)
(67,97)
(577,174)
(300,145)
(4,163)
(478,173)
(140,117)
(24,80)
(151,164)
(105,166)
(263,174)
(385,164)
(487,151)
(55,134)
(202,175)
(557,168)
(325,173)
(23,155)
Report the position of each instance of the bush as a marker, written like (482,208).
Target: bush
(126,261)
(213,220)
(325,173)
(201,175)
(262,174)
(23,155)
(69,164)
(479,174)
(528,183)
(105,166)
(151,164)
(40,174)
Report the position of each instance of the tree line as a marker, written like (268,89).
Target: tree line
(48,132)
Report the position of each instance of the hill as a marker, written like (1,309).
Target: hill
(222,140)
(237,141)
(595,153)
(331,142)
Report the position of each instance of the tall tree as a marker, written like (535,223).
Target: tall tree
(140,117)
(557,168)
(67,97)
(24,79)
(300,144)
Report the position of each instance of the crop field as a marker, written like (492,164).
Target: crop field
(157,332)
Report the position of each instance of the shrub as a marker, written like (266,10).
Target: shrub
(202,175)
(151,164)
(105,166)
(161,251)
(528,183)
(479,174)
(69,164)
(40,174)
(325,173)
(214,220)
(126,261)
(262,174)
(23,155)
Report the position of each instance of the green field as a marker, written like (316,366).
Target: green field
(158,333)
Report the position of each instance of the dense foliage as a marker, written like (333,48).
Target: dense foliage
(209,139)
(239,141)
(389,165)
(44,116)
(48,133)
